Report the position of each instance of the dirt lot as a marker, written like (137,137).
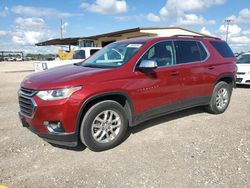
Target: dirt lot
(185,149)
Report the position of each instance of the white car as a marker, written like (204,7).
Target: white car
(243,73)
(79,56)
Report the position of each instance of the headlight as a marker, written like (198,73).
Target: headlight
(50,95)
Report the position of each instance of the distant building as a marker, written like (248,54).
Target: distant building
(107,38)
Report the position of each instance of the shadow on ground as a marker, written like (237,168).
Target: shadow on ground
(79,147)
(243,86)
(145,125)
(166,118)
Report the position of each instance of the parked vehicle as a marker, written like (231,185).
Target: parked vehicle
(19,58)
(243,73)
(124,84)
(79,56)
(10,59)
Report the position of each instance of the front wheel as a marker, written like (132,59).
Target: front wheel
(103,126)
(220,98)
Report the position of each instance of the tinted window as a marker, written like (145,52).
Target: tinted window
(244,59)
(93,51)
(162,53)
(189,51)
(203,52)
(222,48)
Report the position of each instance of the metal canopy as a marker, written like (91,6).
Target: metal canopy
(64,41)
(74,41)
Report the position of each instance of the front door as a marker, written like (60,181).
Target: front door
(159,89)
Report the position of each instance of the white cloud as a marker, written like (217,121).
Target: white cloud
(189,5)
(106,6)
(39,11)
(243,17)
(233,30)
(27,37)
(89,28)
(240,40)
(3,33)
(4,12)
(139,17)
(30,22)
(193,19)
(183,11)
(29,31)
(153,18)
(205,31)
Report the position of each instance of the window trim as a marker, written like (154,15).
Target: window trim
(208,54)
(202,61)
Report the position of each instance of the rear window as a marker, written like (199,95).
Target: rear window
(222,48)
(190,51)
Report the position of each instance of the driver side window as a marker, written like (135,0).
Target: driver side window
(162,53)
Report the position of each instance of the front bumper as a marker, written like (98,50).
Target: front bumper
(64,111)
(243,79)
(65,139)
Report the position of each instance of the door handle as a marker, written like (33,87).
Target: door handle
(211,68)
(175,73)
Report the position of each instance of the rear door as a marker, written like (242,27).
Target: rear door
(191,60)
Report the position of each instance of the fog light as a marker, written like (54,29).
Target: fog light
(54,126)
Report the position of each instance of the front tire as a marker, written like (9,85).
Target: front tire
(220,98)
(103,126)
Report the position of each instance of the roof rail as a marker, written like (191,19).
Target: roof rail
(197,36)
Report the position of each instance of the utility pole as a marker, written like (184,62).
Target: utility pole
(228,21)
(61,29)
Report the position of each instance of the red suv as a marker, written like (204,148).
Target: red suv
(124,84)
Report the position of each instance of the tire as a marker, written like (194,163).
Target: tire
(220,98)
(104,126)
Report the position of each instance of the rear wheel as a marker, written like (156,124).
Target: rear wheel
(103,126)
(220,98)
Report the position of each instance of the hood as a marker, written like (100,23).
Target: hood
(243,67)
(60,77)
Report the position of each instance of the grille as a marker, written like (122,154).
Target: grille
(26,102)
(239,80)
(241,73)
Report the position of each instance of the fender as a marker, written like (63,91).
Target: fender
(227,76)
(129,108)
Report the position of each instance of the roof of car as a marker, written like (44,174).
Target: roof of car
(147,39)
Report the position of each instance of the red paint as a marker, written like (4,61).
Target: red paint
(146,91)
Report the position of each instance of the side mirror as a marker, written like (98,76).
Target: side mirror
(148,65)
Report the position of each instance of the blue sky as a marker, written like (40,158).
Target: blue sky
(26,22)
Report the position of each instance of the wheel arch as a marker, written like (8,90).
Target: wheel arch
(120,97)
(229,78)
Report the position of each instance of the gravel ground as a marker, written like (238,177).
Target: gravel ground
(186,149)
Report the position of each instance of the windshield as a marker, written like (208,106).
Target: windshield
(113,55)
(244,59)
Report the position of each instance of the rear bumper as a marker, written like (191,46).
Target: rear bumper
(64,139)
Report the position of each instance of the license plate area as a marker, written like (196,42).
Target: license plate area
(23,121)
